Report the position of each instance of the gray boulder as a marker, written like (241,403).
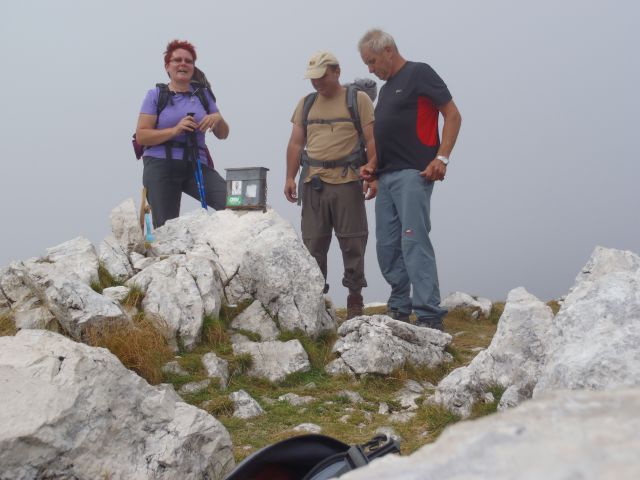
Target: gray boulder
(514,357)
(379,344)
(595,337)
(466,301)
(125,226)
(274,360)
(179,291)
(259,256)
(245,406)
(255,319)
(566,435)
(73,411)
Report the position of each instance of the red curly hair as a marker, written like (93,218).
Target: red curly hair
(176,44)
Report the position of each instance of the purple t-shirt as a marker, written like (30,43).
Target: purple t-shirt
(177,108)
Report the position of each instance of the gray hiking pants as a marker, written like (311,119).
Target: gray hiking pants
(166,180)
(339,208)
(405,252)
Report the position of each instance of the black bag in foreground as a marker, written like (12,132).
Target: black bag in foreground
(311,457)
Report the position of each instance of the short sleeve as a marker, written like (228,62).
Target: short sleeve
(150,102)
(296,118)
(213,106)
(365,109)
(431,85)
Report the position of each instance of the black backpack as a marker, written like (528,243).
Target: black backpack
(311,457)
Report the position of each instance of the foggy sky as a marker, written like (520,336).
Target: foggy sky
(545,167)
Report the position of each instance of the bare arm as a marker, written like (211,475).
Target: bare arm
(436,170)
(147,133)
(294,148)
(367,172)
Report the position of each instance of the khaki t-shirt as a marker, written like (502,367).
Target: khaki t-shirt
(333,141)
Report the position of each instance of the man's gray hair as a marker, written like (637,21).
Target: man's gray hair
(376,40)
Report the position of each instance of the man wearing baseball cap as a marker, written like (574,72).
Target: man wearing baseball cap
(325,141)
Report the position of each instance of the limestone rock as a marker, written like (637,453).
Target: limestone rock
(125,226)
(194,387)
(180,290)
(173,367)
(408,394)
(255,319)
(117,294)
(466,301)
(307,428)
(514,357)
(115,259)
(274,360)
(216,367)
(259,256)
(379,344)
(245,406)
(593,435)
(595,335)
(296,400)
(73,411)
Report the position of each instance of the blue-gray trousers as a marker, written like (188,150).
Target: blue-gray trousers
(405,252)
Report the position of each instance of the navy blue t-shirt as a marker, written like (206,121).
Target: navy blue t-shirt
(406,125)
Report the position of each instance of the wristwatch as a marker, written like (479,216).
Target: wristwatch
(443,159)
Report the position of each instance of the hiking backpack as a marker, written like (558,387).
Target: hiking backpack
(311,457)
(355,159)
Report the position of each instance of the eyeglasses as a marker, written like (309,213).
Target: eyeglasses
(182,60)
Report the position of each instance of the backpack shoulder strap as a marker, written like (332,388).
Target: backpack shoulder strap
(309,100)
(200,92)
(163,99)
(352,106)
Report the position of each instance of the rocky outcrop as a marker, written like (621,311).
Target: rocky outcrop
(379,344)
(513,359)
(57,285)
(594,342)
(580,434)
(259,256)
(179,291)
(73,411)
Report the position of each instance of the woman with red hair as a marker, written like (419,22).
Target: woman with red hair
(165,124)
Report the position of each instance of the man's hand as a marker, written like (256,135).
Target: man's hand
(367,172)
(290,190)
(370,189)
(436,170)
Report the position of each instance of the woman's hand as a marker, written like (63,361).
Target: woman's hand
(209,122)
(186,125)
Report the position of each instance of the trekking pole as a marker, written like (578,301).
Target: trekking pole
(192,146)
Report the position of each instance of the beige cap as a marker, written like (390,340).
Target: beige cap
(318,64)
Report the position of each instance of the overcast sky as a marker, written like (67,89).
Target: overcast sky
(546,165)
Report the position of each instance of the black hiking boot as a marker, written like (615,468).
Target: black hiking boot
(354,305)
(435,323)
(396,315)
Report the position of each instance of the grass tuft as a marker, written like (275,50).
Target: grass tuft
(318,350)
(7,326)
(134,298)
(105,279)
(140,346)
